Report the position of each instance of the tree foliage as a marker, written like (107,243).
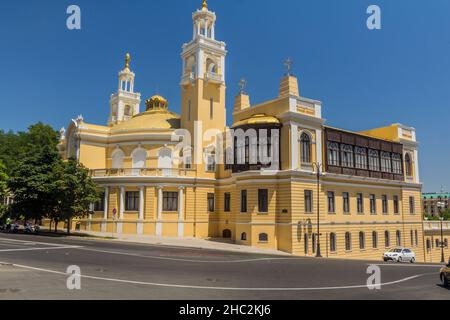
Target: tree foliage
(43,185)
(75,191)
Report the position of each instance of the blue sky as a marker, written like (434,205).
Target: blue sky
(365,78)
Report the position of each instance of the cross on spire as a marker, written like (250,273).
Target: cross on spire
(288,64)
(242,85)
(204,5)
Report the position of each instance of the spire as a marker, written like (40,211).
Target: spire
(204,5)
(127,61)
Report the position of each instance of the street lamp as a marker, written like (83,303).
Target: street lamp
(441,207)
(319,168)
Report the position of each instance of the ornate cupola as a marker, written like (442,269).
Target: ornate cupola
(125,103)
(156,103)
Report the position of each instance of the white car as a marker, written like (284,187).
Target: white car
(400,255)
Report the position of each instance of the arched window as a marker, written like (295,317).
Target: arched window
(128,112)
(387,239)
(348,241)
(117,159)
(165,161)
(362,240)
(397,163)
(408,165)
(333,154)
(386,165)
(374,160)
(226,234)
(398,236)
(374,240)
(333,242)
(347,155)
(305,148)
(361,158)
(139,158)
(244,236)
(263,237)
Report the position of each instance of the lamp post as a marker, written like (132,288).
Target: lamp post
(441,207)
(319,168)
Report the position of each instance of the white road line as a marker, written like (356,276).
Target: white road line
(28,242)
(40,249)
(189,260)
(407,265)
(215,288)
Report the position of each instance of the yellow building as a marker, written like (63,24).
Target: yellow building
(256,191)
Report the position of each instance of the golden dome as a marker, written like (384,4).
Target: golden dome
(257,119)
(151,119)
(157,103)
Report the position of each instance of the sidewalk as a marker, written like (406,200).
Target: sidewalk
(208,244)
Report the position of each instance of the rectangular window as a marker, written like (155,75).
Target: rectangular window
(331,202)
(170,201)
(211,109)
(263,200)
(396,205)
(308,201)
(100,205)
(227,202)
(360,203)
(243,201)
(412,209)
(346,202)
(385,204)
(132,201)
(373,204)
(211,204)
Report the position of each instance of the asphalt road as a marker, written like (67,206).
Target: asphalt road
(34,267)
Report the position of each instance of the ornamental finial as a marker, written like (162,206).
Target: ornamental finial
(127,61)
(204,5)
(288,64)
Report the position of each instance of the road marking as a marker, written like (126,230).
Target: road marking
(189,260)
(216,288)
(406,265)
(40,249)
(28,242)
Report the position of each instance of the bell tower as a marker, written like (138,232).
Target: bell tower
(203,76)
(125,103)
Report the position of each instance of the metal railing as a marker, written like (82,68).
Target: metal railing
(145,172)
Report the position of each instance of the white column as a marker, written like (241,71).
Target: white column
(416,166)
(106,201)
(159,213)
(180,212)
(294,147)
(213,31)
(140,224)
(319,153)
(121,203)
(206,28)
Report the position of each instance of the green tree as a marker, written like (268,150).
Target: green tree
(3,187)
(31,183)
(75,192)
(30,158)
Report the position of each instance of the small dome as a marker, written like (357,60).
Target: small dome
(157,103)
